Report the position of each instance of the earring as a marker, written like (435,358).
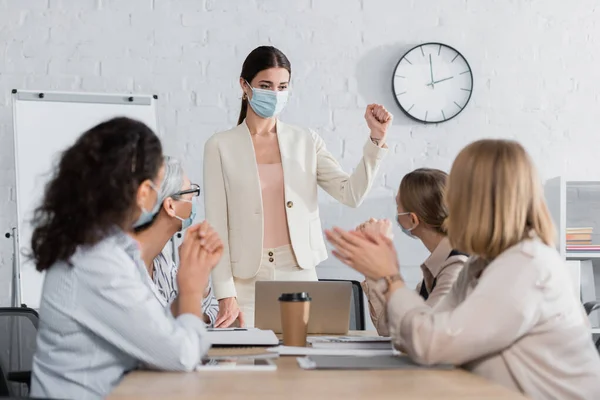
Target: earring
(244,96)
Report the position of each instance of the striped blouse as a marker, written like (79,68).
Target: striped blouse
(164,275)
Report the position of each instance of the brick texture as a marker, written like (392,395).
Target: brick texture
(535,72)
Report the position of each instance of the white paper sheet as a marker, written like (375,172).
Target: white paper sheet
(250,337)
(307,351)
(348,339)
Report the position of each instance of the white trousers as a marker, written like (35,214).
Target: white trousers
(277,264)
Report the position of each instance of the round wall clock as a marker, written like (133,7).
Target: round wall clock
(432,83)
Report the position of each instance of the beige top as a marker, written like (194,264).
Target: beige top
(438,266)
(515,321)
(276,232)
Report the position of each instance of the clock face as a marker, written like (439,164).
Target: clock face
(432,83)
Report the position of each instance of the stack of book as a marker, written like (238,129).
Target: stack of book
(580,239)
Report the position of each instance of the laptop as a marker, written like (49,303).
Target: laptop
(329,308)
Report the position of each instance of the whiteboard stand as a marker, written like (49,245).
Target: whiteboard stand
(16,270)
(45,124)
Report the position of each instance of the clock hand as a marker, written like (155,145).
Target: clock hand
(431,69)
(441,80)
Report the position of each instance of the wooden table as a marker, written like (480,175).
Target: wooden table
(291,382)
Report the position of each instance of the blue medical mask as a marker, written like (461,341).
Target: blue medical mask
(268,103)
(187,222)
(148,216)
(407,232)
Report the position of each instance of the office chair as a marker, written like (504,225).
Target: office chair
(18,331)
(590,307)
(357,309)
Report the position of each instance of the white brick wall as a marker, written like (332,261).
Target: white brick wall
(535,69)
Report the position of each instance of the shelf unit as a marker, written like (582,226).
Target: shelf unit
(577,204)
(582,256)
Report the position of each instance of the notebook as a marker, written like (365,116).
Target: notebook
(309,351)
(364,363)
(351,342)
(235,364)
(261,352)
(245,337)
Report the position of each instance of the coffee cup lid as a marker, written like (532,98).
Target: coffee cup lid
(301,296)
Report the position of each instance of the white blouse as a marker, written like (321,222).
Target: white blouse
(100,317)
(164,275)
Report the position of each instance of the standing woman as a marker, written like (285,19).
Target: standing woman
(261,181)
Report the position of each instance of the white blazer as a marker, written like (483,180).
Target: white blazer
(233,196)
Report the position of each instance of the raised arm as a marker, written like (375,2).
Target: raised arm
(351,189)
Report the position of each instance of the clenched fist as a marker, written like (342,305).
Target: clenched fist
(378,120)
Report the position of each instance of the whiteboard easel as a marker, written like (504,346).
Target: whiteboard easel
(45,124)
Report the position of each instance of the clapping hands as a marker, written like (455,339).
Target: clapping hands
(199,253)
(366,250)
(374,226)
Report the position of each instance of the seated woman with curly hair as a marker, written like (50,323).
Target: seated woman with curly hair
(98,315)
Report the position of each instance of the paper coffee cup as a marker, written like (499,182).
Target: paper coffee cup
(295,312)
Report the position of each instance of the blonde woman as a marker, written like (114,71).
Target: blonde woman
(512,316)
(421,214)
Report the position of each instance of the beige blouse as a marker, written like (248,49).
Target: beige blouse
(276,232)
(515,321)
(438,266)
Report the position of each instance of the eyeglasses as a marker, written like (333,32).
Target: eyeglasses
(194,189)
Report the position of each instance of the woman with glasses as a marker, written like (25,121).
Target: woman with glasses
(421,215)
(177,197)
(261,181)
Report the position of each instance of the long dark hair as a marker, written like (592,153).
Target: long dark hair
(93,189)
(261,58)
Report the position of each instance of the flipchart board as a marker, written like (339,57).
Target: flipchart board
(45,124)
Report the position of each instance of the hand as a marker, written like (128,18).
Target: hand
(195,261)
(378,120)
(362,226)
(373,255)
(229,311)
(374,226)
(211,243)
